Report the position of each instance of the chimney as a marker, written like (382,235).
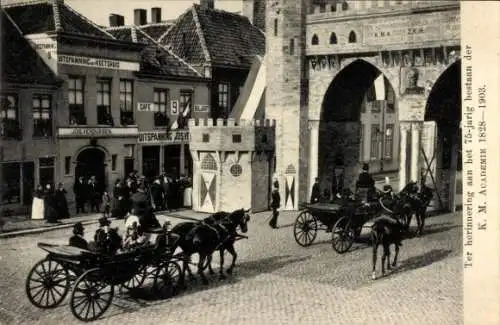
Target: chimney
(140,17)
(207,4)
(156,15)
(116,20)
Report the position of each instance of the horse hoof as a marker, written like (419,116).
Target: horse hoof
(229,271)
(211,272)
(374,276)
(393,264)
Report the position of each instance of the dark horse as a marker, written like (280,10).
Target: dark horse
(217,232)
(390,229)
(419,199)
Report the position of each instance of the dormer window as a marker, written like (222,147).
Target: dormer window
(333,38)
(352,37)
(315,40)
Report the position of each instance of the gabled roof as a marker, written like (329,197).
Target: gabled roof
(45,16)
(155,30)
(155,59)
(20,62)
(203,35)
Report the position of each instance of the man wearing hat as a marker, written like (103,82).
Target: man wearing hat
(365,181)
(77,239)
(107,239)
(316,192)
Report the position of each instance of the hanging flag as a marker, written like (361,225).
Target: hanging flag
(182,118)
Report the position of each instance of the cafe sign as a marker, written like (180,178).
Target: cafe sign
(201,108)
(164,137)
(147,107)
(96,132)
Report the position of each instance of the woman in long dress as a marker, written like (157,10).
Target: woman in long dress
(38,206)
(61,202)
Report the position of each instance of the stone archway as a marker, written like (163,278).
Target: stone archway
(91,161)
(359,101)
(441,161)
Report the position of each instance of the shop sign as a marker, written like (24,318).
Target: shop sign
(147,107)
(46,48)
(98,132)
(201,108)
(174,107)
(97,62)
(162,137)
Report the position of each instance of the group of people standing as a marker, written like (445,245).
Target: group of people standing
(49,203)
(163,193)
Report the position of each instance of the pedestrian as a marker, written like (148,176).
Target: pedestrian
(77,240)
(61,202)
(50,204)
(106,204)
(80,189)
(157,194)
(38,206)
(275,205)
(166,181)
(316,192)
(95,196)
(365,182)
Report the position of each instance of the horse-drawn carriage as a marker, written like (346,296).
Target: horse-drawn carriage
(344,219)
(91,277)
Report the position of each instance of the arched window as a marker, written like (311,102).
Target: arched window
(315,40)
(352,37)
(333,38)
(209,163)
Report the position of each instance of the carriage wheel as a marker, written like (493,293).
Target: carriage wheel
(305,229)
(90,297)
(166,282)
(137,280)
(47,284)
(342,235)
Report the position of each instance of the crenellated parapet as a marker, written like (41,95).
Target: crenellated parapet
(232,135)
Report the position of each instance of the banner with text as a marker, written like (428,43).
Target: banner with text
(163,137)
(481,182)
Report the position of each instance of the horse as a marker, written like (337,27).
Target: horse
(218,232)
(421,202)
(387,230)
(406,198)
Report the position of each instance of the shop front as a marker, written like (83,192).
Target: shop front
(105,153)
(165,151)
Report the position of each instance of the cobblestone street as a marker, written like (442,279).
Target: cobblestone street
(276,282)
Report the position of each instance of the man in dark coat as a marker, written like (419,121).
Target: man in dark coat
(81,192)
(62,203)
(95,195)
(77,239)
(316,192)
(365,181)
(275,204)
(50,204)
(158,194)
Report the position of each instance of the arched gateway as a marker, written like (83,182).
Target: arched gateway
(384,97)
(91,162)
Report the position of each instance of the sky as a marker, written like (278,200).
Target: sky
(98,10)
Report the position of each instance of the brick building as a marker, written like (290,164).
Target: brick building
(29,100)
(167,87)
(219,44)
(95,126)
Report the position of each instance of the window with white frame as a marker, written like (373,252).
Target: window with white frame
(374,142)
(42,115)
(10,127)
(160,100)
(76,87)
(104,116)
(126,102)
(223,99)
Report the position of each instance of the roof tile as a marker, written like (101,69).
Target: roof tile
(231,39)
(20,62)
(155,59)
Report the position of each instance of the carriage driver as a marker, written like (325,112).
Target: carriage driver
(365,181)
